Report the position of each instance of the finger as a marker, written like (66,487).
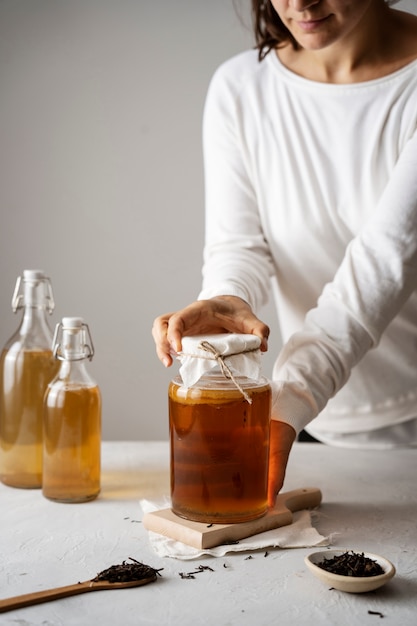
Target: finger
(262,331)
(162,344)
(236,315)
(195,319)
(168,329)
(252,325)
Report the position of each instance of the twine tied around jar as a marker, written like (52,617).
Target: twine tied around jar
(215,355)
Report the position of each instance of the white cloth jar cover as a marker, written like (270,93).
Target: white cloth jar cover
(202,353)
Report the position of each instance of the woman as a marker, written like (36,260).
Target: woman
(310,150)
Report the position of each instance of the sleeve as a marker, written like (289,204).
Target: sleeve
(236,256)
(375,279)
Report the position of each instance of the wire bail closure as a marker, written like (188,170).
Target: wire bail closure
(19,300)
(86,344)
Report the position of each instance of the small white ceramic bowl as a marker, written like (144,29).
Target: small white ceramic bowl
(350,584)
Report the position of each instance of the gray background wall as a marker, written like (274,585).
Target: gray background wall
(101,174)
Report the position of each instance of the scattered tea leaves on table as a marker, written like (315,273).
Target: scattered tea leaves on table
(191,575)
(351,564)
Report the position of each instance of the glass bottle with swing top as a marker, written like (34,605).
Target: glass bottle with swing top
(219,431)
(26,367)
(72,419)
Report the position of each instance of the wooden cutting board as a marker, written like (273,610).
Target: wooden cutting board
(201,535)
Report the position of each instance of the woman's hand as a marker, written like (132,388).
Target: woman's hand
(216,315)
(281,439)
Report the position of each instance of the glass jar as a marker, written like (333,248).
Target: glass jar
(219,448)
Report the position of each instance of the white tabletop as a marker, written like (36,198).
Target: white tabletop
(369,503)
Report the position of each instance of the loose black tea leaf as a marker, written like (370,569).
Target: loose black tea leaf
(191,575)
(375,613)
(202,568)
(351,564)
(126,572)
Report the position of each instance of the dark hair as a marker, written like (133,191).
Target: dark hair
(270,32)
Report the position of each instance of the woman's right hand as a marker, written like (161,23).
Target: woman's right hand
(216,315)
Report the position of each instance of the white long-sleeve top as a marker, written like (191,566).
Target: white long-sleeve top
(315,185)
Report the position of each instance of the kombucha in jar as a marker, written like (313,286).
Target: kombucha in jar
(27,366)
(72,420)
(219,448)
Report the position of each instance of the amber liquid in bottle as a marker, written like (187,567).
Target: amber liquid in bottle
(25,375)
(219,453)
(72,439)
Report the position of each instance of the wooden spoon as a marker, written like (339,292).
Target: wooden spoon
(28,599)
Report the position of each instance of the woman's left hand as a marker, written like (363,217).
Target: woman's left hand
(281,439)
